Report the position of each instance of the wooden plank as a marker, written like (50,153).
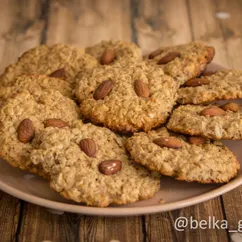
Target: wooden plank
(98,229)
(230,26)
(82,23)
(205,211)
(9,216)
(71,227)
(160,23)
(20,28)
(163,225)
(38,224)
(208,30)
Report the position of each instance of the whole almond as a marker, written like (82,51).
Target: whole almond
(60,73)
(197,140)
(153,54)
(208,73)
(88,146)
(25,131)
(211,53)
(169,142)
(141,88)
(55,122)
(196,82)
(110,167)
(212,111)
(103,90)
(234,107)
(108,57)
(168,58)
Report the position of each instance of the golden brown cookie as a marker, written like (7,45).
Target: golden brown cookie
(192,160)
(207,121)
(60,60)
(138,97)
(23,115)
(89,164)
(114,52)
(220,85)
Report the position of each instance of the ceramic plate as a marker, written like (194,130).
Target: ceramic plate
(176,194)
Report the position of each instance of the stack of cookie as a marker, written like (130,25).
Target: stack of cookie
(95,123)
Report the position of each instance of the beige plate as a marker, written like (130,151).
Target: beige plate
(176,194)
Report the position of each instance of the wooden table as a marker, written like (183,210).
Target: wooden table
(25,24)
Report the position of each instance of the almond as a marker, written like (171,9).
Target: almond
(153,54)
(212,111)
(107,57)
(197,140)
(168,58)
(55,122)
(234,107)
(110,167)
(60,73)
(211,53)
(103,90)
(88,146)
(141,88)
(25,131)
(208,73)
(169,142)
(197,82)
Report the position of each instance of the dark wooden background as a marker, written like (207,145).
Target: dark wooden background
(25,24)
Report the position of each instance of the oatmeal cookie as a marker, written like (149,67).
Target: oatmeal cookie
(208,121)
(60,60)
(89,164)
(183,62)
(138,97)
(193,160)
(221,85)
(35,84)
(23,115)
(114,51)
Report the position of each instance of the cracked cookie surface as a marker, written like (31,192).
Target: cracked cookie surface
(211,162)
(76,174)
(138,97)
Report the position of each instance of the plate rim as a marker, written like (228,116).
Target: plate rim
(121,211)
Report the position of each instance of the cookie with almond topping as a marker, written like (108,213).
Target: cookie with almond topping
(192,160)
(114,52)
(222,85)
(208,121)
(23,115)
(183,62)
(60,61)
(89,164)
(138,97)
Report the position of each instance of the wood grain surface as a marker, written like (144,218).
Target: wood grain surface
(28,23)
